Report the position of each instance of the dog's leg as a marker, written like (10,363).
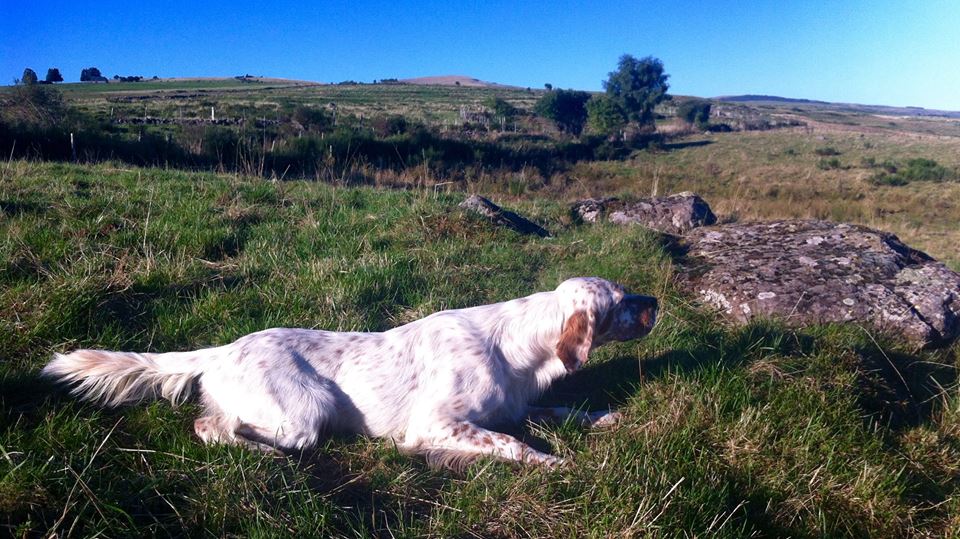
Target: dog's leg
(461,442)
(560,414)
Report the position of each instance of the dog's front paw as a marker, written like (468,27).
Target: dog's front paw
(603,420)
(555,463)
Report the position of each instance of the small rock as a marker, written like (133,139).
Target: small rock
(502,217)
(674,214)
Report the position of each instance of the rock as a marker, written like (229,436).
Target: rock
(502,217)
(674,214)
(809,271)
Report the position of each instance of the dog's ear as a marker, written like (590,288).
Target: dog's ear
(575,339)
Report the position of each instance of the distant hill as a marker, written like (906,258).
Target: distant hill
(750,98)
(454,80)
(840,107)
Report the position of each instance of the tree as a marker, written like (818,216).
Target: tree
(695,112)
(500,107)
(29,77)
(566,108)
(91,74)
(637,86)
(604,116)
(53,75)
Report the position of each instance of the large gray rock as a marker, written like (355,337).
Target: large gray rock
(502,217)
(674,214)
(809,271)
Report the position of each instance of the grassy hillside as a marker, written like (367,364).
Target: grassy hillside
(728,432)
(186,98)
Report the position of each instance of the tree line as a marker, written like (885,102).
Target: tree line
(87,74)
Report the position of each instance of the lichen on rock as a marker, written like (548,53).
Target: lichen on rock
(811,271)
(674,214)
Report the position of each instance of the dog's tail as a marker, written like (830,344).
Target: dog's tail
(115,378)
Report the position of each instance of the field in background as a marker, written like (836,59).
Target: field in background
(234,99)
(824,169)
(779,174)
(829,431)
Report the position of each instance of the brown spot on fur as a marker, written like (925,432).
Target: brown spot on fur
(574,341)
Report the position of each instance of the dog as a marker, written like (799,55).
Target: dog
(435,386)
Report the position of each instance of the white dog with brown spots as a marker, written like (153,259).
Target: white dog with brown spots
(435,386)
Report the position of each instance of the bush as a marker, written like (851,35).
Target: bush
(33,106)
(826,151)
(500,107)
(312,119)
(567,108)
(604,115)
(915,170)
(829,164)
(695,113)
(387,126)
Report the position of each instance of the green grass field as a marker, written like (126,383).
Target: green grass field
(830,431)
(435,105)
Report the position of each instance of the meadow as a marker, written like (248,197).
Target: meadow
(729,432)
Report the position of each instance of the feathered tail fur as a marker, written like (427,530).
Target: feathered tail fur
(115,378)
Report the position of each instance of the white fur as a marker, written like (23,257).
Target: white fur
(433,385)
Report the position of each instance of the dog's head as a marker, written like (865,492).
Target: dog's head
(597,311)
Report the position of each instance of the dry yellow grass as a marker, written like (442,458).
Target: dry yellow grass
(775,175)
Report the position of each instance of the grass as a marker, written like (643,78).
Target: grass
(434,105)
(780,174)
(729,432)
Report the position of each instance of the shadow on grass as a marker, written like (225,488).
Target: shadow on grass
(612,383)
(669,146)
(900,390)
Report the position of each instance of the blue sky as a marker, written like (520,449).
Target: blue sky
(873,52)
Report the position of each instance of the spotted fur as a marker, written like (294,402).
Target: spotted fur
(435,386)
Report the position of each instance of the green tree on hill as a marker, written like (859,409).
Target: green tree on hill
(637,86)
(604,116)
(566,108)
(53,75)
(91,74)
(29,76)
(500,107)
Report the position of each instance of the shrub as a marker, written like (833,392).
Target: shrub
(829,164)
(695,112)
(826,151)
(500,107)
(604,115)
(312,119)
(915,170)
(567,108)
(386,126)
